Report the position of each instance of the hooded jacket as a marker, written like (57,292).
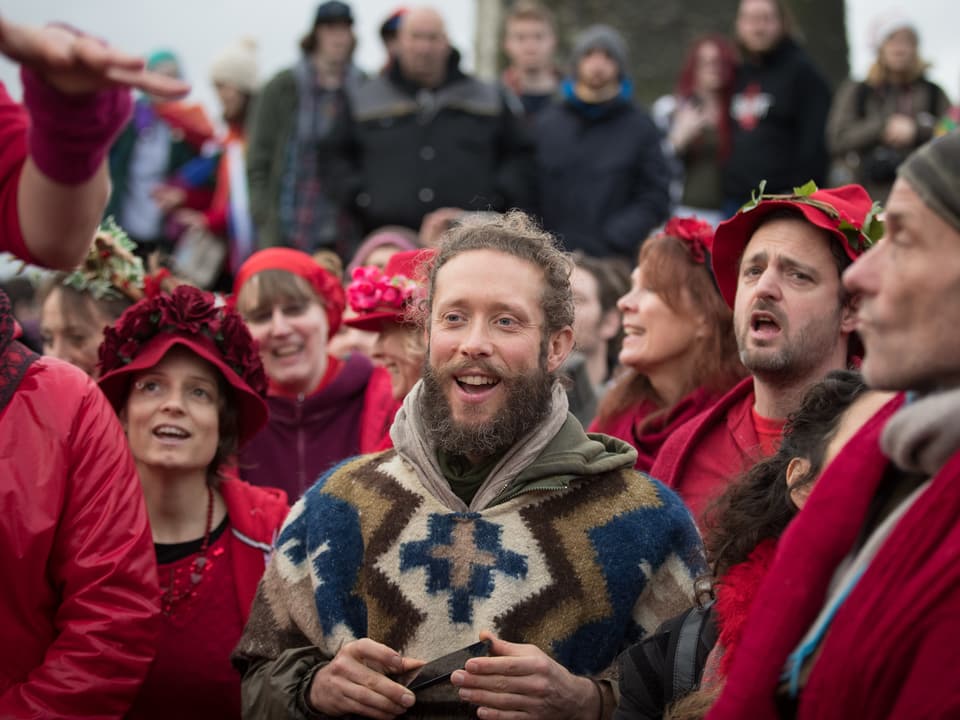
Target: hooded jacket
(306,436)
(569,555)
(778,117)
(602,177)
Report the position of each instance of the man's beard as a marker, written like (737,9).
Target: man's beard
(527,401)
(795,358)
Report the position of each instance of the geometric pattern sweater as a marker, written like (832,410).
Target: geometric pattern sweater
(581,572)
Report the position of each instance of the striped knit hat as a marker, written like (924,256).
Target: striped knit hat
(933,172)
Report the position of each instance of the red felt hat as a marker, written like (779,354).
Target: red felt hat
(296,262)
(846,212)
(188,317)
(380,297)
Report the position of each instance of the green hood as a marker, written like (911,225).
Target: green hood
(572,454)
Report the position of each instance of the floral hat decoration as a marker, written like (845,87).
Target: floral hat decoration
(111,270)
(380,296)
(191,318)
(696,235)
(846,212)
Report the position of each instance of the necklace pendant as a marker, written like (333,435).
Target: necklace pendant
(195,578)
(200,562)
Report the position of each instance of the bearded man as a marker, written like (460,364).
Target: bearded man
(495,517)
(778,264)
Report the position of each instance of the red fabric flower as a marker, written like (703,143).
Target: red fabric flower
(190,312)
(696,234)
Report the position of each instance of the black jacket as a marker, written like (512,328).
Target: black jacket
(778,121)
(602,176)
(410,150)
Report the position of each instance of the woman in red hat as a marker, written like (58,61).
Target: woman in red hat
(679,352)
(386,302)
(319,404)
(186,382)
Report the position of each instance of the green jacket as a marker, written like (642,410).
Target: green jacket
(273,117)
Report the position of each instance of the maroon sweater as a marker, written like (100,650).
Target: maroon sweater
(307,436)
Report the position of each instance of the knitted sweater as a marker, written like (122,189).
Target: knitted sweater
(580,564)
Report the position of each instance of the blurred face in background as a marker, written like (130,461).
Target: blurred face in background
(335,41)
(423,47)
(401,350)
(759,25)
(70,333)
(709,75)
(530,44)
(598,71)
(898,54)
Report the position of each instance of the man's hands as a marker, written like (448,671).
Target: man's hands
(356,681)
(522,681)
(75,63)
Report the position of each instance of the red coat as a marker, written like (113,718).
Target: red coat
(648,444)
(13,154)
(704,454)
(80,601)
(256,514)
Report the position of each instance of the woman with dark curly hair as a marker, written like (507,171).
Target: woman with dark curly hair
(743,527)
(186,381)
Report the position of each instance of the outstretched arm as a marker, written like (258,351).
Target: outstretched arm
(76,92)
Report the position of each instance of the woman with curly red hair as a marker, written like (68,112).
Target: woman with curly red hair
(186,381)
(679,353)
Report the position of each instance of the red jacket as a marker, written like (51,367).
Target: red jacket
(256,514)
(13,154)
(80,600)
(704,454)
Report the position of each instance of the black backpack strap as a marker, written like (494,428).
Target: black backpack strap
(694,639)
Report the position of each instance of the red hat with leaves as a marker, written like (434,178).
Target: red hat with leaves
(846,212)
(387,296)
(189,317)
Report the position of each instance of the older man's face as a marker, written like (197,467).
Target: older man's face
(909,311)
(423,48)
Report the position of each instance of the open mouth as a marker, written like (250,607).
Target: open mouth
(764,323)
(170,432)
(476,384)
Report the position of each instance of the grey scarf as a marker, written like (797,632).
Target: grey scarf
(413,445)
(923,434)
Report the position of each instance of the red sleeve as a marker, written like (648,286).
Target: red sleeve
(379,407)
(929,689)
(104,566)
(13,153)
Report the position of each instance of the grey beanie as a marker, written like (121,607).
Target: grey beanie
(599,37)
(933,172)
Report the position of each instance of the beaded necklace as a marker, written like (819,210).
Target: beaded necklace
(181,588)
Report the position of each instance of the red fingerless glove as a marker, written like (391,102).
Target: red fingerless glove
(70,135)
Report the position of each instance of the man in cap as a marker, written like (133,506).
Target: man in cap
(778,264)
(426,136)
(603,179)
(495,517)
(869,570)
(291,141)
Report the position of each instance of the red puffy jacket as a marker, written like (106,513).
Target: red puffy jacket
(80,601)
